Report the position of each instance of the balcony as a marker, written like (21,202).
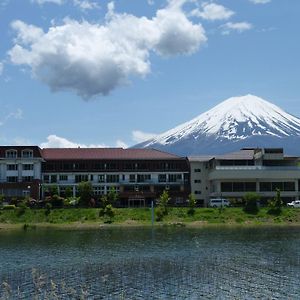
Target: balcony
(262,168)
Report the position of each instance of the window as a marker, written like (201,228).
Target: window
(111,188)
(27,167)
(265,186)
(197,170)
(143,177)
(12,178)
(11,167)
(101,178)
(27,153)
(289,186)
(46,178)
(99,190)
(197,181)
(175,177)
(53,178)
(81,178)
(27,178)
(197,192)
(63,177)
(92,177)
(162,178)
(112,178)
(131,177)
(277,185)
(11,153)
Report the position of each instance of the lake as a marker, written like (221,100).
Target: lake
(141,263)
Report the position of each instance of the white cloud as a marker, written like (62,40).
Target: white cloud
(18,114)
(140,136)
(1,68)
(212,12)
(121,144)
(239,27)
(260,1)
(54,141)
(94,59)
(86,4)
(41,2)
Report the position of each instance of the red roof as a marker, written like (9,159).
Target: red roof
(104,153)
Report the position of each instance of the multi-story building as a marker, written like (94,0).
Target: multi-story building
(138,175)
(20,171)
(250,170)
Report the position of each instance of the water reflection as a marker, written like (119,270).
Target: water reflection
(170,263)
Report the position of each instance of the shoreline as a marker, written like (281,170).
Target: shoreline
(124,225)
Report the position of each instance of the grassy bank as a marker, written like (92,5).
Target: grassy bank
(85,217)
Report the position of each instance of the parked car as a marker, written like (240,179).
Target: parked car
(294,204)
(219,202)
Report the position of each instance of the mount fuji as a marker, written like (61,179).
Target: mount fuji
(236,123)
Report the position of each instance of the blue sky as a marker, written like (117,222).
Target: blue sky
(91,73)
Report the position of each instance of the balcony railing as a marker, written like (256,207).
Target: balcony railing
(259,168)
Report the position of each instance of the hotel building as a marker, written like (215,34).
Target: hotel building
(138,175)
(249,170)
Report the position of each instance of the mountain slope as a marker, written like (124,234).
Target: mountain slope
(237,122)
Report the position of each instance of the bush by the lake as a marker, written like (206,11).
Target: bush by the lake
(251,202)
(192,204)
(48,207)
(85,190)
(21,209)
(162,209)
(275,205)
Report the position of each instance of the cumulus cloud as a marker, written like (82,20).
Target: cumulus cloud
(140,136)
(212,12)
(121,144)
(260,1)
(54,141)
(238,27)
(94,59)
(86,4)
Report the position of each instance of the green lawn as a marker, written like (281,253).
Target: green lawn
(142,216)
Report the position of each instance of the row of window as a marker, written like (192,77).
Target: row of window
(114,178)
(14,167)
(288,186)
(14,153)
(128,166)
(16,178)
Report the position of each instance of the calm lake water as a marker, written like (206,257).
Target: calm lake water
(167,263)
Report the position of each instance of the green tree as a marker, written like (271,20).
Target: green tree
(69,192)
(107,210)
(85,191)
(275,206)
(53,190)
(251,202)
(112,196)
(162,208)
(192,204)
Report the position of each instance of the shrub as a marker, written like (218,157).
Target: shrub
(159,214)
(192,204)
(275,205)
(108,213)
(251,202)
(9,207)
(85,190)
(21,209)
(48,207)
(163,204)
(57,201)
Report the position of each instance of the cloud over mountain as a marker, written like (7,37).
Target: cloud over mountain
(94,59)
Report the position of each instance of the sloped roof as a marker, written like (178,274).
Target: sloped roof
(104,154)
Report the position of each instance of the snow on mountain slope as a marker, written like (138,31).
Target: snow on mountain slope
(234,119)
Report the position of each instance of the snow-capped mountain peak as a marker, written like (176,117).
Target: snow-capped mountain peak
(234,119)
